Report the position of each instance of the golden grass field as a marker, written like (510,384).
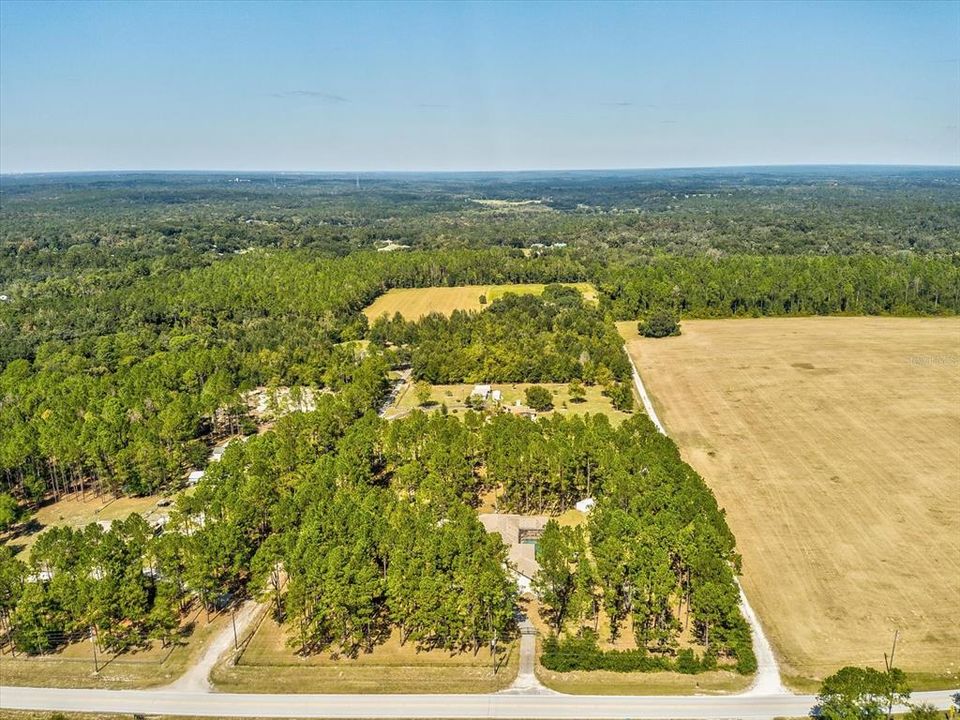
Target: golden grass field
(414,303)
(269,664)
(834,446)
(455,396)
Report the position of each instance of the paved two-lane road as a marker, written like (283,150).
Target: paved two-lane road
(503,705)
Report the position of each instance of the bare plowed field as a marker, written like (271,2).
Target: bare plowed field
(834,445)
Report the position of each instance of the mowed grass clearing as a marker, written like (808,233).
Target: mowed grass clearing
(415,303)
(77,512)
(455,397)
(834,446)
(269,664)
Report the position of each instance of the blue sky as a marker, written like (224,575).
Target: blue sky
(459,86)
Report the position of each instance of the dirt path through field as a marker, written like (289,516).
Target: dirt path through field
(767,680)
(197,677)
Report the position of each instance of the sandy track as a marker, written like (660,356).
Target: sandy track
(767,680)
(197,678)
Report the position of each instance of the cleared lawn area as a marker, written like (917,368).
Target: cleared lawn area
(455,396)
(834,446)
(269,665)
(72,666)
(414,303)
(604,682)
(76,512)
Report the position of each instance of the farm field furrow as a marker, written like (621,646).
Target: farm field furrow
(834,446)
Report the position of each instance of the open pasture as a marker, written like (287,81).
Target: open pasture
(834,446)
(414,303)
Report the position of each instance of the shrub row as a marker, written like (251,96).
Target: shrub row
(581,652)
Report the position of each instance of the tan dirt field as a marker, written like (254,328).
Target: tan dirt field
(834,446)
(414,303)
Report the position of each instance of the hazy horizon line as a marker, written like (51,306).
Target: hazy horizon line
(267,171)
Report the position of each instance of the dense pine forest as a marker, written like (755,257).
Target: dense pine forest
(136,311)
(519,338)
(114,381)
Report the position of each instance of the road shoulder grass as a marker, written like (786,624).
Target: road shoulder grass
(72,666)
(268,664)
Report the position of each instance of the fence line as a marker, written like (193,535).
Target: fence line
(251,631)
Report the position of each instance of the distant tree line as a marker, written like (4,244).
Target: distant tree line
(62,226)
(751,286)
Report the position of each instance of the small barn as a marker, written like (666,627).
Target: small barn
(481,391)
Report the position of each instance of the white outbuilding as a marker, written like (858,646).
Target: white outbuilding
(586,505)
(481,390)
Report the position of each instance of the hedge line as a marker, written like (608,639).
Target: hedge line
(582,652)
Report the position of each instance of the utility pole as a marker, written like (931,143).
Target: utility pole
(889,664)
(93,640)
